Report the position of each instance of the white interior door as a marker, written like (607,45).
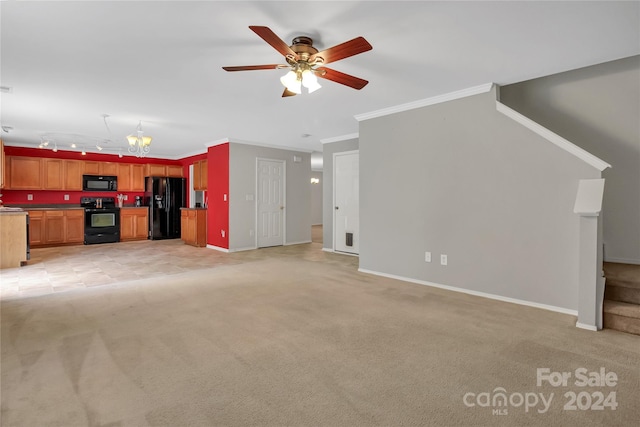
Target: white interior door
(346,222)
(270,206)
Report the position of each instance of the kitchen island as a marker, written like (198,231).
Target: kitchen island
(13,237)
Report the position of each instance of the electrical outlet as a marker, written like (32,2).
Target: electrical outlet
(126,197)
(29,196)
(250,233)
(427,257)
(443,259)
(66,197)
(222,233)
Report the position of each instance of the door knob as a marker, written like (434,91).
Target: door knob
(337,208)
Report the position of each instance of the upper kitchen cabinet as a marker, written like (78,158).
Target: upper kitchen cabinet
(24,173)
(174,171)
(200,174)
(131,177)
(72,175)
(100,168)
(53,174)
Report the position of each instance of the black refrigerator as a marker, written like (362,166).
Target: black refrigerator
(164,196)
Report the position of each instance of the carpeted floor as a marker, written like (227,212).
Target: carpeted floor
(295,336)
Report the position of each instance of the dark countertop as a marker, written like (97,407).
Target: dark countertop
(47,207)
(194,209)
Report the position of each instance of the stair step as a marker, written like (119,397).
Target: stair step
(621,290)
(622,316)
(625,272)
(623,282)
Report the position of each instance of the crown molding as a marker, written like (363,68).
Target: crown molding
(340,138)
(552,137)
(476,90)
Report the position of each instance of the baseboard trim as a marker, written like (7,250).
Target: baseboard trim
(623,260)
(585,326)
(475,293)
(218,248)
(328,250)
(297,243)
(248,248)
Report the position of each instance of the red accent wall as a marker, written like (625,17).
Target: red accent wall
(76,155)
(19,197)
(218,188)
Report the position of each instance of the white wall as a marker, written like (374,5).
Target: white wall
(461,179)
(242,183)
(598,109)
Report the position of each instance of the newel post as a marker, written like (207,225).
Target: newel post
(590,280)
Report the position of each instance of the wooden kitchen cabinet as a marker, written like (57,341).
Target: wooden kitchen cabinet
(53,174)
(72,175)
(41,173)
(24,173)
(13,239)
(193,223)
(56,227)
(174,171)
(156,170)
(74,226)
(200,174)
(36,228)
(100,168)
(134,223)
(130,177)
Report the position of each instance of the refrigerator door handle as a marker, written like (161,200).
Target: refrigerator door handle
(167,196)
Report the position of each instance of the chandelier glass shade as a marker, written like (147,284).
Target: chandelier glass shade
(295,79)
(139,143)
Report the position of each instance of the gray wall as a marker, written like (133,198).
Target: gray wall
(316,199)
(327,187)
(242,182)
(598,109)
(460,178)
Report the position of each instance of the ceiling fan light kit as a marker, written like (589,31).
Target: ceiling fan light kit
(304,62)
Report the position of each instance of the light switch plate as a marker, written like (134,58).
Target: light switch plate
(29,196)
(427,257)
(443,259)
(66,197)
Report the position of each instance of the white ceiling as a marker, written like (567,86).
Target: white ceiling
(69,63)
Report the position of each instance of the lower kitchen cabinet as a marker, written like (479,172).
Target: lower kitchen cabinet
(193,226)
(56,227)
(134,223)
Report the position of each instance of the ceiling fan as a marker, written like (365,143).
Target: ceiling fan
(306,63)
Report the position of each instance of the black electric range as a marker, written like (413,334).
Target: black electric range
(101,220)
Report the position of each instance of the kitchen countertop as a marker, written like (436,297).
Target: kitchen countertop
(194,209)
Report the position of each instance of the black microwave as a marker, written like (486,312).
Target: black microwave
(99,183)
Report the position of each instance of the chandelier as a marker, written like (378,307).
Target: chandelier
(302,74)
(139,144)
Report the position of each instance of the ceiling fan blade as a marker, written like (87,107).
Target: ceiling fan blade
(343,50)
(253,67)
(276,42)
(342,78)
(287,92)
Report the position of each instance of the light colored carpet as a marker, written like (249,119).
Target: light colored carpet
(297,337)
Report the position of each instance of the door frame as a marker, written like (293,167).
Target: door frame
(284,198)
(333,206)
